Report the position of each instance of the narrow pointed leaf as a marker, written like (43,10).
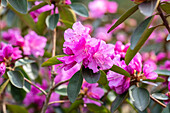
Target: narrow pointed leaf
(165,7)
(118,101)
(19,5)
(3,86)
(103,79)
(74,86)
(80,9)
(158,79)
(131,53)
(124,17)
(89,76)
(147,8)
(168,38)
(37,6)
(119,70)
(51,21)
(139,31)
(16,78)
(163,72)
(160,96)
(52,61)
(21,62)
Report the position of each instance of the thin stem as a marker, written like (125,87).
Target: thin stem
(62,82)
(4,107)
(60,101)
(157,101)
(163,18)
(44,92)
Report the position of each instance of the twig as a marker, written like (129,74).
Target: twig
(62,82)
(157,101)
(4,107)
(60,101)
(44,92)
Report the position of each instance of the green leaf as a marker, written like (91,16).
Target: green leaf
(19,5)
(21,62)
(103,79)
(131,53)
(75,105)
(139,31)
(163,72)
(158,79)
(27,87)
(124,17)
(168,37)
(166,110)
(74,86)
(141,98)
(37,7)
(16,78)
(119,70)
(89,76)
(80,9)
(31,70)
(18,94)
(52,61)
(147,8)
(41,26)
(118,101)
(3,86)
(67,15)
(160,96)
(48,1)
(51,21)
(97,109)
(3,3)
(62,91)
(16,109)
(165,7)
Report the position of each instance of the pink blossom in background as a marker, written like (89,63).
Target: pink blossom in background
(112,7)
(161,56)
(121,37)
(67,2)
(92,91)
(101,33)
(148,71)
(2,68)
(34,44)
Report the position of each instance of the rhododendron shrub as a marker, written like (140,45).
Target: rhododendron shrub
(92,56)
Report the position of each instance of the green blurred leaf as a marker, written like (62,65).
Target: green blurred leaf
(19,5)
(21,62)
(119,70)
(3,86)
(165,7)
(158,79)
(139,31)
(16,78)
(103,79)
(67,16)
(74,86)
(97,109)
(75,105)
(168,37)
(160,96)
(124,17)
(80,9)
(118,101)
(89,76)
(52,61)
(147,8)
(37,6)
(166,110)
(51,21)
(131,53)
(163,72)
(48,1)
(61,91)
(16,109)
(3,3)
(141,98)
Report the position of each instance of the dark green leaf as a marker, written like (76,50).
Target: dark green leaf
(165,7)
(3,86)
(168,37)
(62,91)
(141,98)
(67,15)
(103,79)
(3,3)
(16,109)
(27,86)
(37,6)
(51,21)
(89,76)
(158,79)
(75,105)
(16,78)
(119,70)
(18,94)
(139,31)
(97,109)
(118,101)
(21,62)
(124,17)
(19,5)
(131,53)
(163,72)
(80,9)
(31,70)
(74,86)
(160,96)
(166,110)
(147,8)
(52,61)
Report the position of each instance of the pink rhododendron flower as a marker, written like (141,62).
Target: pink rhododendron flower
(112,7)
(148,72)
(101,33)
(68,2)
(34,44)
(2,68)
(161,56)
